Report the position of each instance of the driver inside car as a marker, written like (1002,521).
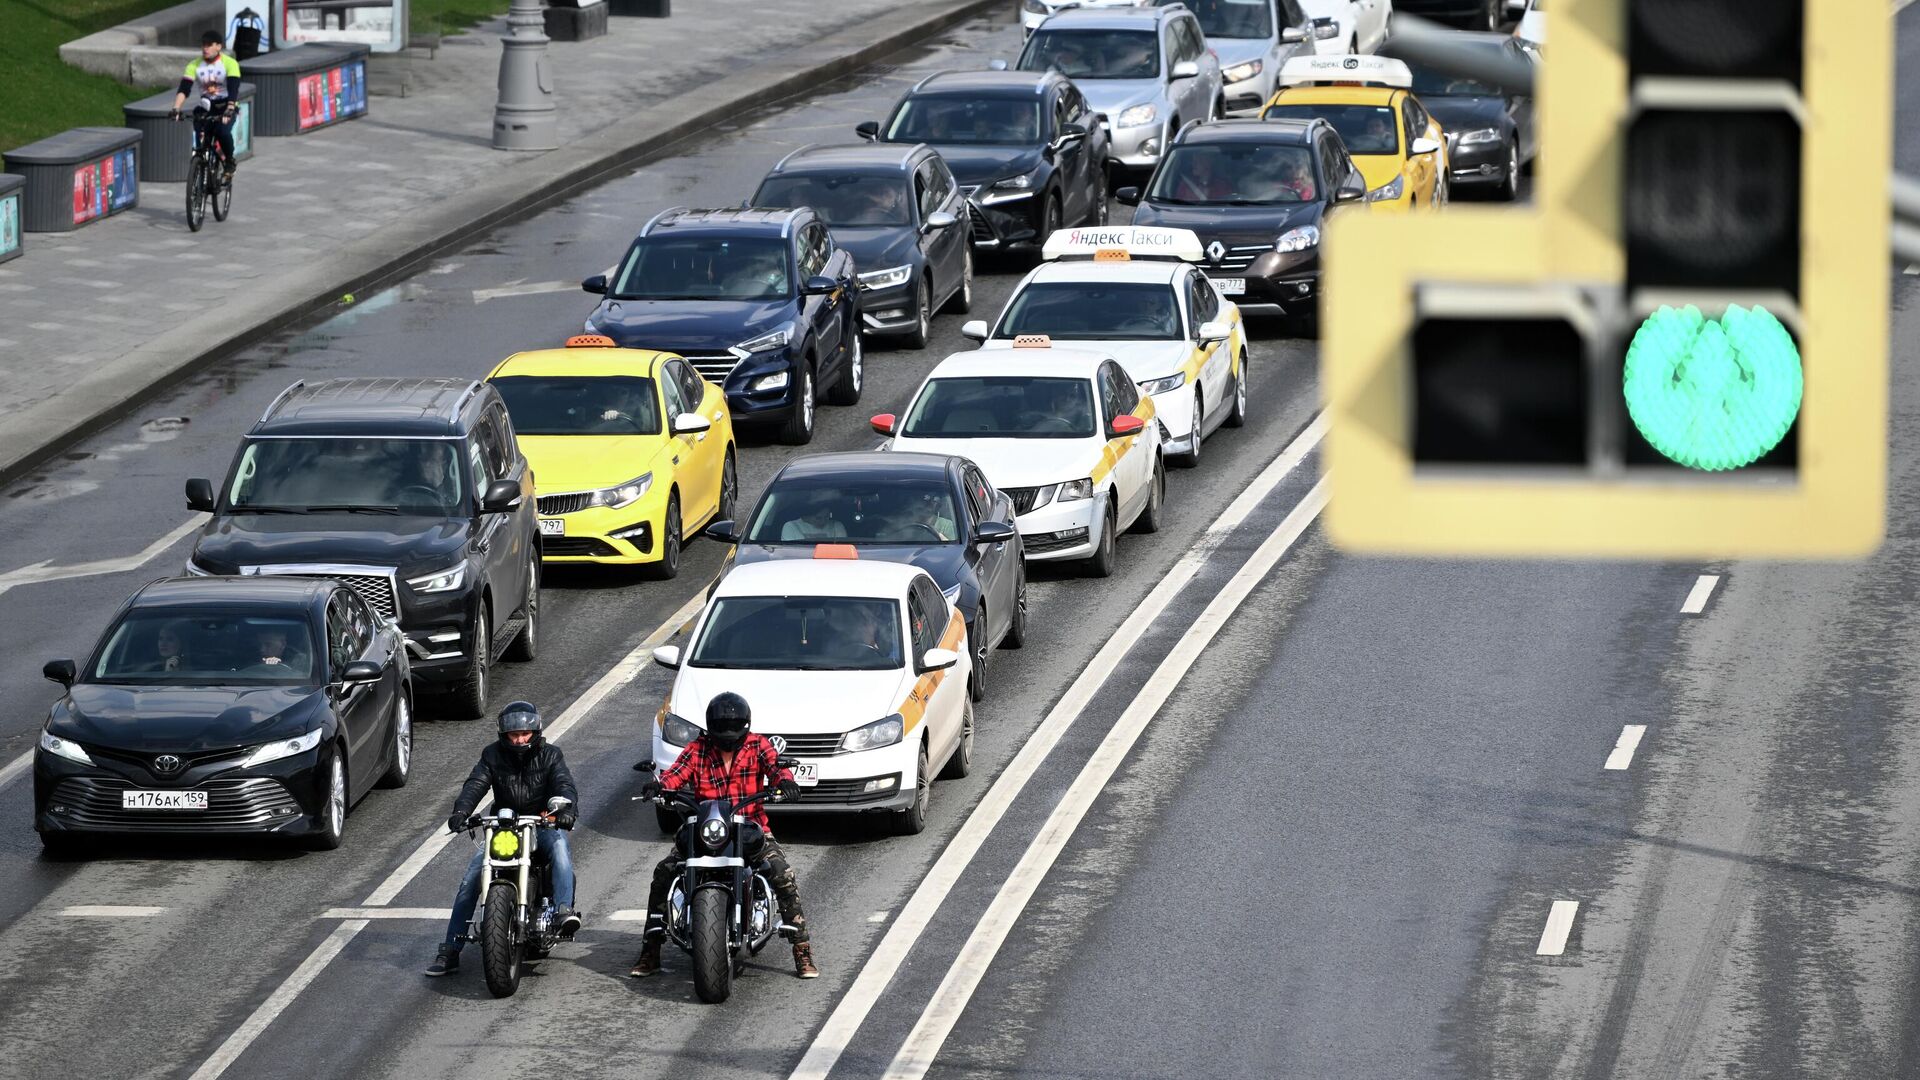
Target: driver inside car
(922,517)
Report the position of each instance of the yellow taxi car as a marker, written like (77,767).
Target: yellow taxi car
(634,450)
(1396,144)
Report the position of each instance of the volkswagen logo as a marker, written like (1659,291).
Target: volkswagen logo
(1350,63)
(779,744)
(1216,251)
(167,764)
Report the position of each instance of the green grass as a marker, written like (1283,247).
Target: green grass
(447,16)
(43,95)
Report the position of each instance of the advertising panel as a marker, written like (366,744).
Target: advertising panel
(104,186)
(243,130)
(9,223)
(333,94)
(379,24)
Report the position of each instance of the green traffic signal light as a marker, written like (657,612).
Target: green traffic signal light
(1713,394)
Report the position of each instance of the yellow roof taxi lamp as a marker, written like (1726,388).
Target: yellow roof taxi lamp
(1122,243)
(1395,143)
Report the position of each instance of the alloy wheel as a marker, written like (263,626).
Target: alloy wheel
(403,735)
(337,797)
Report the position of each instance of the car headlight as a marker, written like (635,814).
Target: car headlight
(775,381)
(677,731)
(1480,136)
(1299,239)
(1035,7)
(1388,191)
(1160,386)
(1242,72)
(1014,183)
(1074,490)
(1137,115)
(439,580)
(765,342)
(59,747)
(285,748)
(505,844)
(623,494)
(886,279)
(880,733)
(713,833)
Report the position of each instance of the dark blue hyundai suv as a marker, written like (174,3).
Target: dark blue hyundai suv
(761,302)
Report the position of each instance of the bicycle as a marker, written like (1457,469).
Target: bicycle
(204,182)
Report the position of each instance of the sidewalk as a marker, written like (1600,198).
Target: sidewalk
(92,320)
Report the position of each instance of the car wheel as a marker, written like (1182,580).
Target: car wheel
(1017,629)
(1049,221)
(333,803)
(961,763)
(1496,14)
(1191,459)
(1149,519)
(1510,184)
(1100,563)
(799,427)
(402,747)
(853,377)
(977,633)
(729,489)
(470,700)
(526,646)
(922,331)
(1237,416)
(669,564)
(913,820)
(961,301)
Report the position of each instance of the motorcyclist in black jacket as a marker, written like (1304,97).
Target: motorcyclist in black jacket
(528,775)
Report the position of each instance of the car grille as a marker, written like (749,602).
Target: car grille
(1044,542)
(575,545)
(713,367)
(812,745)
(1023,498)
(1236,258)
(187,761)
(233,804)
(845,791)
(978,223)
(565,504)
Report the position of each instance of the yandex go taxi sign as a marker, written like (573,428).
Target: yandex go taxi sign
(1356,70)
(1123,242)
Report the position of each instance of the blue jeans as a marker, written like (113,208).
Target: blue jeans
(553,842)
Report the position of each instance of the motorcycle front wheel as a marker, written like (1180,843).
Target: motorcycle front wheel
(499,953)
(712,958)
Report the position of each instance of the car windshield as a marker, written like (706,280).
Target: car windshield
(581,404)
(800,633)
(1234,174)
(704,268)
(842,200)
(297,475)
(1430,83)
(829,510)
(967,120)
(1094,54)
(199,646)
(1094,311)
(1002,407)
(1366,129)
(1231,18)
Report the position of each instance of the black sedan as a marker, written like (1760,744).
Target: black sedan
(1491,135)
(937,512)
(262,706)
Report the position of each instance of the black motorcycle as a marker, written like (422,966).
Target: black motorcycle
(721,909)
(516,923)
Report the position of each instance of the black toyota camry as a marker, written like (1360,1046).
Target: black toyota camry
(934,511)
(226,705)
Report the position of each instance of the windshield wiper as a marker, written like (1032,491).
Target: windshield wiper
(353,508)
(269,510)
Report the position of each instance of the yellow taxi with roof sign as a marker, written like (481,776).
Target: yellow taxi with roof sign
(1396,144)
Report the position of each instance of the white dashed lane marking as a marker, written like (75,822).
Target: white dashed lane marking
(1553,940)
(1622,755)
(1697,599)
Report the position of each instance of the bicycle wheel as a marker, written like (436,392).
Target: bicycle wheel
(222,192)
(196,193)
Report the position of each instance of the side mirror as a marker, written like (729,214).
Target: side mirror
(996,64)
(1326,29)
(1127,196)
(1293,35)
(643,766)
(501,496)
(1423,145)
(1124,425)
(1073,131)
(974,329)
(722,531)
(938,660)
(597,284)
(61,671)
(1185,69)
(883,423)
(667,656)
(993,532)
(1352,190)
(360,671)
(868,130)
(1211,332)
(200,495)
(691,423)
(940,219)
(819,286)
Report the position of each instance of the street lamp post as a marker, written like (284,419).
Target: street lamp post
(525,117)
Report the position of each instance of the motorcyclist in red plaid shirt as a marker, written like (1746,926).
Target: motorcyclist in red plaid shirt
(728,762)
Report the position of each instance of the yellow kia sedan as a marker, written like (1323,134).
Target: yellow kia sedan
(1396,144)
(634,450)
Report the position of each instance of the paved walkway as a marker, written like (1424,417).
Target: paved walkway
(91,303)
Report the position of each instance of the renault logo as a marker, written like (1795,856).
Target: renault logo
(167,764)
(1216,251)
(779,744)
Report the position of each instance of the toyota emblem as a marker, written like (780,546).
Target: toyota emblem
(1216,251)
(1350,63)
(779,743)
(167,764)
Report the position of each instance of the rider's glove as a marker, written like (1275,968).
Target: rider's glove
(786,789)
(650,789)
(456,822)
(565,819)
(173,114)
(233,110)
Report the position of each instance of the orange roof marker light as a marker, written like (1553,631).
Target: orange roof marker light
(1032,341)
(1111,255)
(591,341)
(835,551)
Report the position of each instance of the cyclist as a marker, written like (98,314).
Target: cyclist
(218,77)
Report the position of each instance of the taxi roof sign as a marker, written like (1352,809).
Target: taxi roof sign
(1350,69)
(1122,243)
(591,341)
(835,551)
(1032,341)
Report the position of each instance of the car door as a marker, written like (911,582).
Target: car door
(992,562)
(1070,162)
(507,552)
(1203,306)
(1421,168)
(943,692)
(1108,383)
(950,244)
(1520,106)
(933,249)
(826,314)
(696,471)
(357,705)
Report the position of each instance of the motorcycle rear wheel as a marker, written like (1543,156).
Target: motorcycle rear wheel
(499,954)
(712,958)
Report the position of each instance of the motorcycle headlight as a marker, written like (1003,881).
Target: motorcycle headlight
(1160,386)
(439,580)
(505,844)
(886,279)
(1242,72)
(621,495)
(775,381)
(765,342)
(880,733)
(1074,490)
(285,748)
(677,731)
(1389,191)
(713,833)
(1480,137)
(59,747)
(1137,116)
(1299,239)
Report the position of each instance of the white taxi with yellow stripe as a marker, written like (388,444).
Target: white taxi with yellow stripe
(856,667)
(1063,432)
(1134,293)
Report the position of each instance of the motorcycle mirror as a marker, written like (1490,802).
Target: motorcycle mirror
(787,762)
(643,766)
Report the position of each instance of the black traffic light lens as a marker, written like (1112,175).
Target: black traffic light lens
(1743,39)
(1713,200)
(1499,392)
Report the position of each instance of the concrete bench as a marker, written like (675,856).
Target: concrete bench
(12,190)
(576,21)
(166,147)
(78,176)
(307,87)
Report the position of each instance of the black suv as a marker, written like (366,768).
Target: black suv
(763,303)
(410,491)
(1258,194)
(899,211)
(1029,153)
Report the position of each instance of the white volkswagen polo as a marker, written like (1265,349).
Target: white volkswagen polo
(857,668)
(1064,432)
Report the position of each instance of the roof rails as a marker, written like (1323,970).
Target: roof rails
(473,388)
(655,219)
(782,163)
(906,160)
(925,81)
(278,401)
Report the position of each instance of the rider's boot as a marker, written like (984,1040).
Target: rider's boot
(803,960)
(569,923)
(445,962)
(649,961)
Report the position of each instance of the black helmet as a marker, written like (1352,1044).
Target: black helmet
(520,716)
(728,720)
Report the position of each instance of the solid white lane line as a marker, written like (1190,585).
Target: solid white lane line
(17,766)
(40,572)
(278,1001)
(481,296)
(636,914)
(1553,939)
(441,914)
(1697,599)
(1622,755)
(957,988)
(111,911)
(917,912)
